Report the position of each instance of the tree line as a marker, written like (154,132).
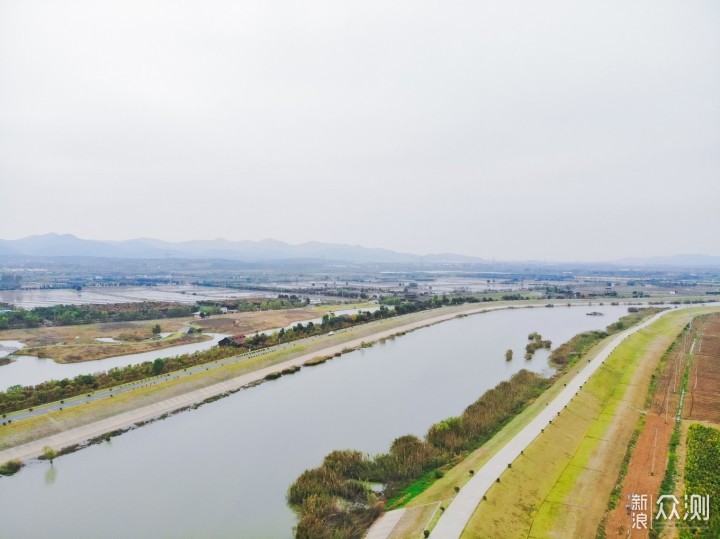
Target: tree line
(67,315)
(283,301)
(431,302)
(22,397)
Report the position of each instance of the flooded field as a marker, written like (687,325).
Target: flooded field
(28,299)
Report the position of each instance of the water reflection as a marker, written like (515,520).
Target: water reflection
(50,475)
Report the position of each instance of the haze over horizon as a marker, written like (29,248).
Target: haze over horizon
(53,244)
(559,131)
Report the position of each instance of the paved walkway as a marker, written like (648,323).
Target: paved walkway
(127,419)
(383,526)
(453,521)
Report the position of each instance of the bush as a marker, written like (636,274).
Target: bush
(10,467)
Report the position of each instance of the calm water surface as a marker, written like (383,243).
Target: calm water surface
(222,471)
(29,299)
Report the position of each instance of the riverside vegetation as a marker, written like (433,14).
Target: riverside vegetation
(536,342)
(336,500)
(569,352)
(67,315)
(10,467)
(21,397)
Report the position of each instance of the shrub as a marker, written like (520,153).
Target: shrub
(10,467)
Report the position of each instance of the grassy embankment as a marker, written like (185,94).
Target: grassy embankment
(164,387)
(565,477)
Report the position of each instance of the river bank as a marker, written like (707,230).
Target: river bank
(241,444)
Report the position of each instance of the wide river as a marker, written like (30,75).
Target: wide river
(223,469)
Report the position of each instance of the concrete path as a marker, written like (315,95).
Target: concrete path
(384,526)
(453,521)
(127,419)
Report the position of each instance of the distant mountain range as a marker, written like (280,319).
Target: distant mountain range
(246,251)
(273,250)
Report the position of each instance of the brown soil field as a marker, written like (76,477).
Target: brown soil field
(703,399)
(251,322)
(648,463)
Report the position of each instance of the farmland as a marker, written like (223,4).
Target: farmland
(698,452)
(701,478)
(647,460)
(666,451)
(704,383)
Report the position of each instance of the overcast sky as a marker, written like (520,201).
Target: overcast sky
(556,130)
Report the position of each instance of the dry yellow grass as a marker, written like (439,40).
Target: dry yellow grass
(79,351)
(414,521)
(69,344)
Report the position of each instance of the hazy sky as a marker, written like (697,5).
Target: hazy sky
(557,130)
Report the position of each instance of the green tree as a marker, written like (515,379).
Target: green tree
(49,453)
(156,329)
(158,366)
